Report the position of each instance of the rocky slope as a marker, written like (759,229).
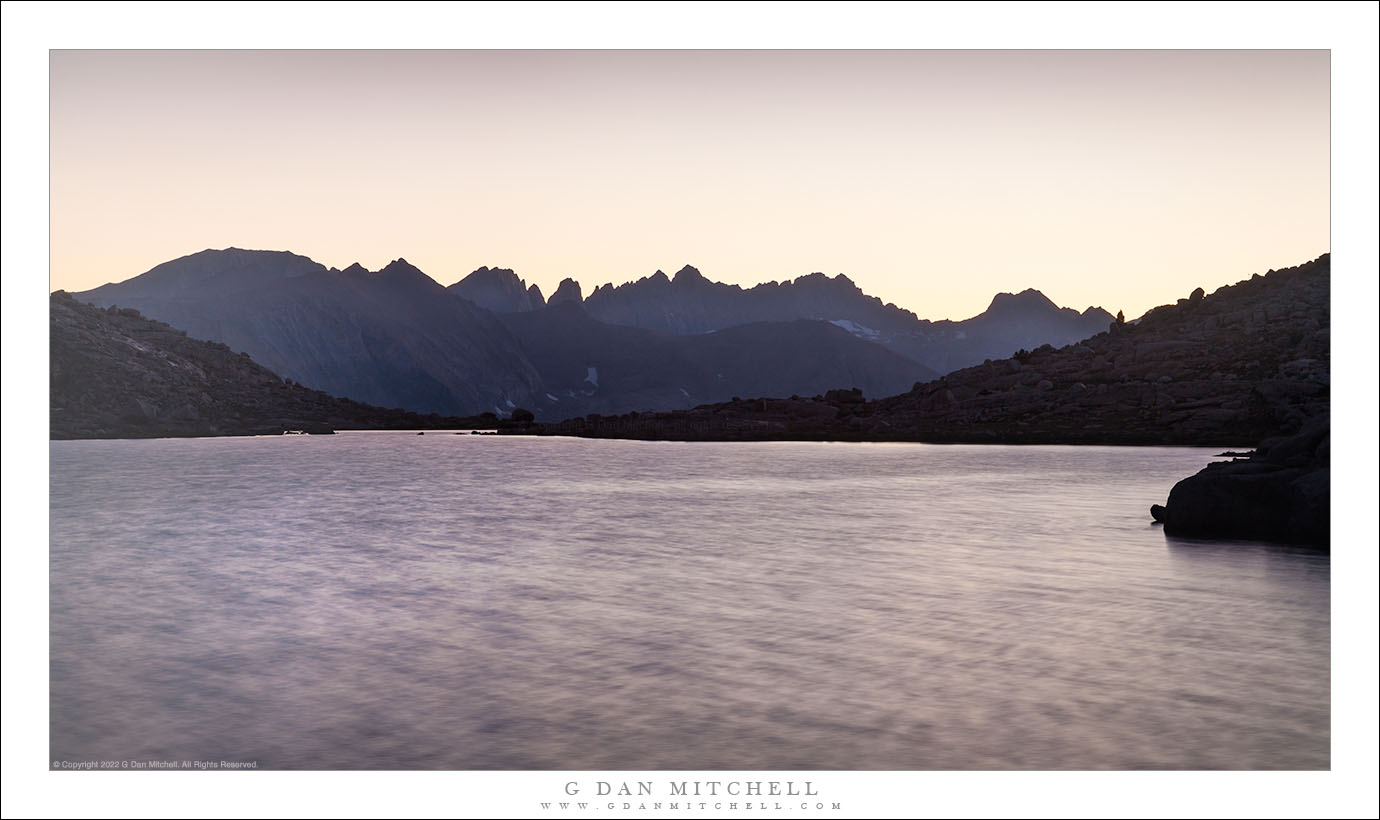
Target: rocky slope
(1247,362)
(116,374)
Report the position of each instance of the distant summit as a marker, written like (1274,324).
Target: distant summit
(401,269)
(1027,301)
(221,271)
(689,276)
(499,290)
(567,291)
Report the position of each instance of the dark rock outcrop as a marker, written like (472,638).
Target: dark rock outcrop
(115,374)
(1282,492)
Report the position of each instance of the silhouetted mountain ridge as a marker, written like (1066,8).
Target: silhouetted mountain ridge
(1250,361)
(690,303)
(395,337)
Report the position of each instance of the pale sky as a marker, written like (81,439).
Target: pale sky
(933,179)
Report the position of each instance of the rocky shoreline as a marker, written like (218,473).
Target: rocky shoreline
(1281,492)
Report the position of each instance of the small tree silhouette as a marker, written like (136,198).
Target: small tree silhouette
(1120,318)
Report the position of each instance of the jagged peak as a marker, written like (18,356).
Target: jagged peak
(400,264)
(499,290)
(485,270)
(819,279)
(689,273)
(485,274)
(567,291)
(355,268)
(1030,298)
(400,268)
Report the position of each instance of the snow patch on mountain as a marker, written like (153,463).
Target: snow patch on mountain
(856,329)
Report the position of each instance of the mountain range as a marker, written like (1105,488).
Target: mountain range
(689,303)
(1246,363)
(491,343)
(393,338)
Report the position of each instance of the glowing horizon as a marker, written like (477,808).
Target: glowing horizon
(932,179)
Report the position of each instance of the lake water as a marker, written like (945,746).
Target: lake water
(386,600)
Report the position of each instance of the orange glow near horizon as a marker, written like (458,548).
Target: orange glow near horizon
(933,179)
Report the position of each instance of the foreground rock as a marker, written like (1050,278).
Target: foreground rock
(115,374)
(1282,492)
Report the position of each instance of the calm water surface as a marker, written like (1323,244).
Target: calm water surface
(376,600)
